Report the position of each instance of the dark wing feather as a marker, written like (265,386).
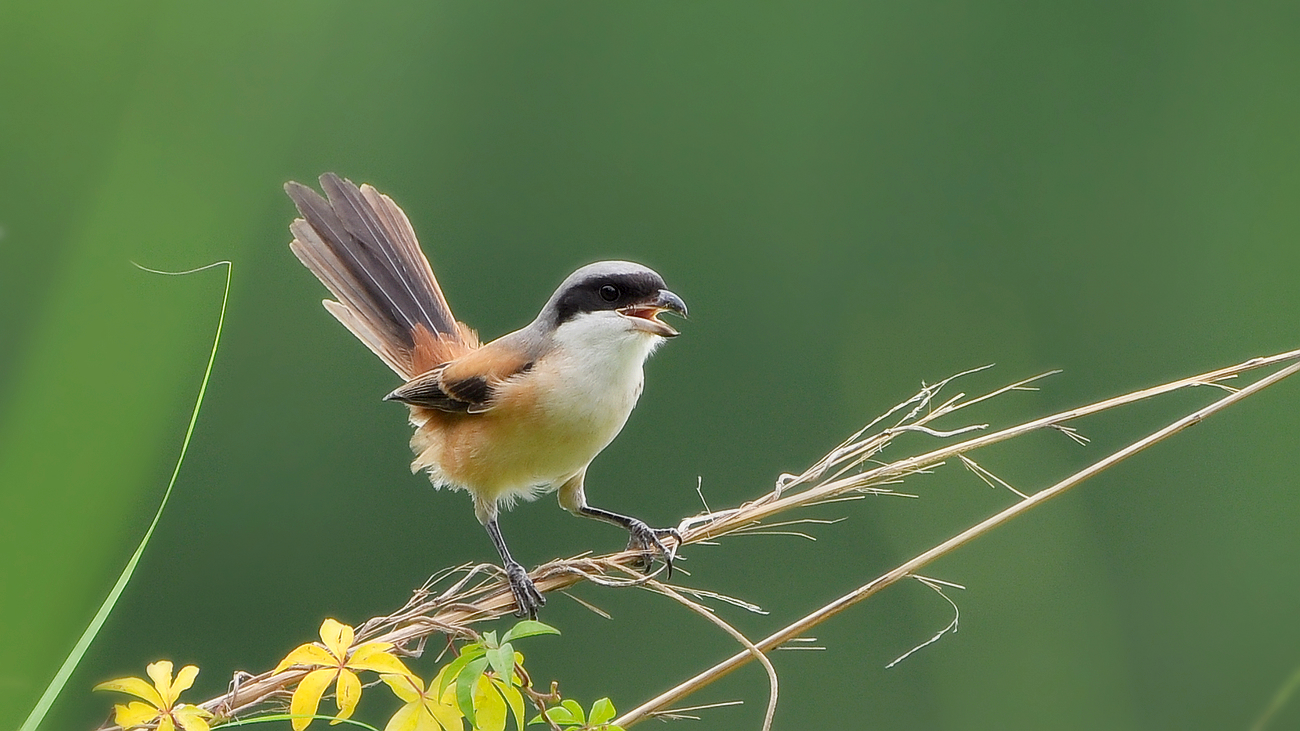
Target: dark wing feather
(468,395)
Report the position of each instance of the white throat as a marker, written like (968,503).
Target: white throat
(606,339)
(596,365)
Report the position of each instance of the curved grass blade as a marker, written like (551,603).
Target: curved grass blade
(79,650)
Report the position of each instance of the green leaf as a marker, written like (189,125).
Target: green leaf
(502,660)
(490,639)
(465,688)
(601,712)
(559,715)
(467,654)
(574,709)
(528,628)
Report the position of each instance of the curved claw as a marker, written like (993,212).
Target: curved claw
(649,541)
(527,598)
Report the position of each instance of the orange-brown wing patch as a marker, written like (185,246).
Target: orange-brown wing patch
(491,363)
(433,349)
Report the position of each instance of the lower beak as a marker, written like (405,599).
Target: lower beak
(645,317)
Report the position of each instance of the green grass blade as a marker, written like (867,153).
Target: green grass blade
(79,650)
(1278,702)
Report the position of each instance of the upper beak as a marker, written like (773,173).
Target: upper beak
(645,317)
(669,301)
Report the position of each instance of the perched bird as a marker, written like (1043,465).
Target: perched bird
(518,417)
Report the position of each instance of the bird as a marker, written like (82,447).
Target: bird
(509,420)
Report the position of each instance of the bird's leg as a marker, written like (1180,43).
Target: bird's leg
(641,538)
(527,598)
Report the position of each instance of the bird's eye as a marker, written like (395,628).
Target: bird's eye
(609,293)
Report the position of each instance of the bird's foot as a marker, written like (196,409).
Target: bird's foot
(527,598)
(648,542)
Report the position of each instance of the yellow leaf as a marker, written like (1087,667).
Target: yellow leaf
(429,723)
(306,697)
(308,654)
(515,699)
(450,694)
(166,724)
(407,718)
(346,694)
(406,687)
(135,687)
(444,710)
(377,660)
(184,679)
(489,706)
(191,718)
(161,674)
(134,714)
(435,716)
(367,649)
(448,714)
(337,637)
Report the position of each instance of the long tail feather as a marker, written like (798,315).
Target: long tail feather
(362,248)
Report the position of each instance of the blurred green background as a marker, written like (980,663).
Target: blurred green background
(852,197)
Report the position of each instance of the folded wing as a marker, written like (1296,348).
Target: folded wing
(467,384)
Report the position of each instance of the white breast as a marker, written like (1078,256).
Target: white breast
(595,374)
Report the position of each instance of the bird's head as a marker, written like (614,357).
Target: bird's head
(620,297)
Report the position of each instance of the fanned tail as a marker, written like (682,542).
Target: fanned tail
(361,246)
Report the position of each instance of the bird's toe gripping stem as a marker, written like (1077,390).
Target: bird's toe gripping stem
(648,542)
(527,598)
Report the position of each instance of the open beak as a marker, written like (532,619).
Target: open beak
(645,316)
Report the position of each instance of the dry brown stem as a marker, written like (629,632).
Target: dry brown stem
(908,568)
(479,592)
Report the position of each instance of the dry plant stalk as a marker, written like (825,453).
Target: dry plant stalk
(480,592)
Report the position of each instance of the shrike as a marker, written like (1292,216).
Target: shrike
(518,417)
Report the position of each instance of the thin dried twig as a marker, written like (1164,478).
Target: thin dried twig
(989,478)
(773,683)
(683,714)
(937,586)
